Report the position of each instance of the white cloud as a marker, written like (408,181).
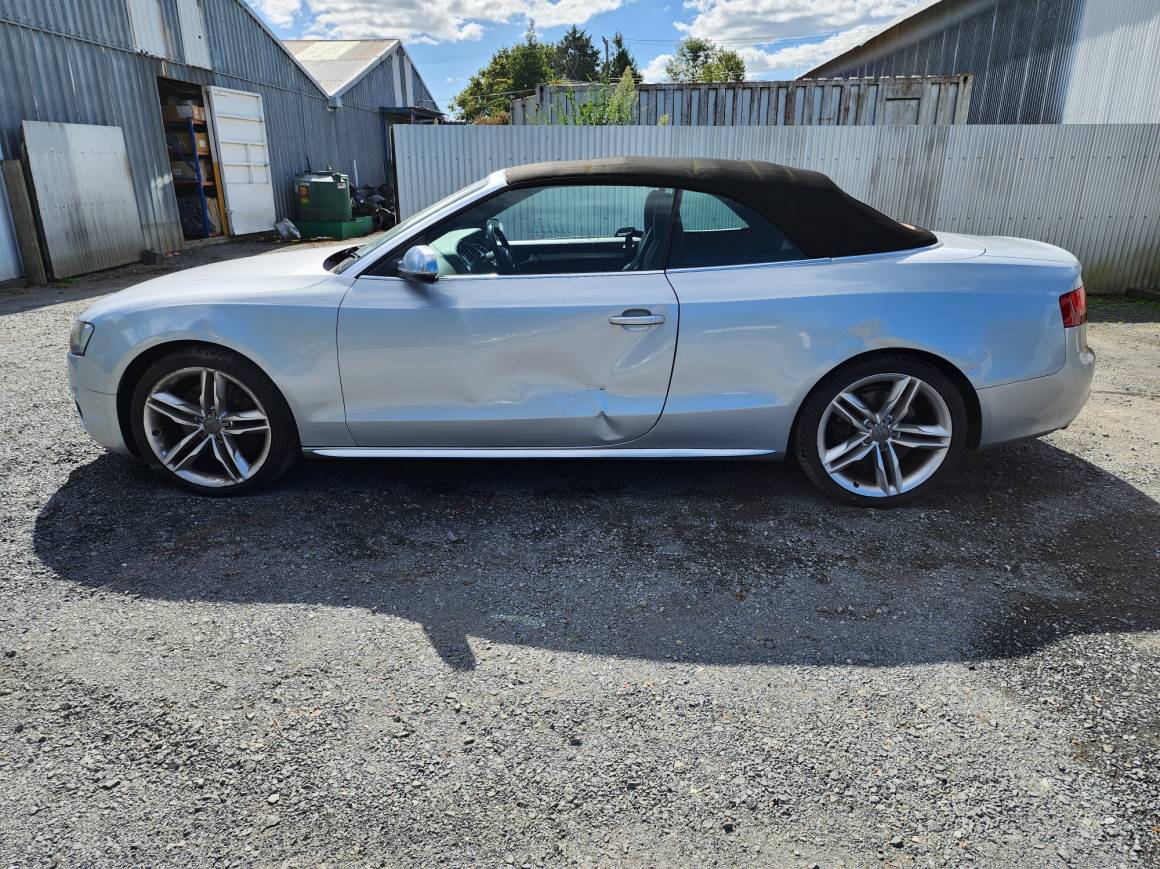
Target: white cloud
(793,60)
(747,25)
(763,21)
(431,21)
(548,14)
(278,12)
(655,70)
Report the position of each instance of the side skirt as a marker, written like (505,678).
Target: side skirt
(520,453)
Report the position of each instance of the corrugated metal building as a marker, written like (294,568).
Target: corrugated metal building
(112,62)
(366,76)
(1034,61)
(823,103)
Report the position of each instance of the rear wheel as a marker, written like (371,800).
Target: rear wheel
(881,432)
(213,422)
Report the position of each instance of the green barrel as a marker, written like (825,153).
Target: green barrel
(322,196)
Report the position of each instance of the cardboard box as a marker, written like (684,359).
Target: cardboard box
(180,141)
(184,170)
(215,215)
(182,112)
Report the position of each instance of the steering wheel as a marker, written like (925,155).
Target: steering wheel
(498,244)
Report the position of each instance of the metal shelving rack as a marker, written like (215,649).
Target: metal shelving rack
(193,157)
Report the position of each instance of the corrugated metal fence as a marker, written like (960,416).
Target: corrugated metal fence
(1094,190)
(817,102)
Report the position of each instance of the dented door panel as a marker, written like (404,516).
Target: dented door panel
(506,361)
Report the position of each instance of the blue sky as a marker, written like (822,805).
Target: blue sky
(451,39)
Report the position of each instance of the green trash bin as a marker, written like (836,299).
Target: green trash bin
(323,197)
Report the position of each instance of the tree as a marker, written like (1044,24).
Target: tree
(619,59)
(511,73)
(700,60)
(488,92)
(574,57)
(528,61)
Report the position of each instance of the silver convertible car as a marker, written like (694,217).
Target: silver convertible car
(619,308)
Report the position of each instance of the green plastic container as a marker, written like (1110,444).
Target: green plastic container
(322,197)
(336,228)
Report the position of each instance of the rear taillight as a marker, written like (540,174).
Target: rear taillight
(1073,306)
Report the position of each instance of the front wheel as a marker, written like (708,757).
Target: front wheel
(212,422)
(881,432)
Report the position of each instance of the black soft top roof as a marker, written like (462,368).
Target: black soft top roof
(812,210)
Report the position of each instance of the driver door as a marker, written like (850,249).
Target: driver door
(551,332)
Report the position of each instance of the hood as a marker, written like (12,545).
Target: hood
(268,274)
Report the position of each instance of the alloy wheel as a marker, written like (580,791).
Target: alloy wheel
(207,427)
(884,435)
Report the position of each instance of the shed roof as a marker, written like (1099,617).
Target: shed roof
(339,63)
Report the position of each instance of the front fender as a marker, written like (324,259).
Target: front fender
(293,341)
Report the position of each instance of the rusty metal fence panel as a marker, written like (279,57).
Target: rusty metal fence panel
(806,102)
(1094,190)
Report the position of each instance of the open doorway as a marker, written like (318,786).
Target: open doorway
(196,180)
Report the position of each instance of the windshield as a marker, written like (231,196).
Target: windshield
(401,229)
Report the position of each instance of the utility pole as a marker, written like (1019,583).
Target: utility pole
(607,70)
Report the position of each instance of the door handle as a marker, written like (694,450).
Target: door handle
(630,318)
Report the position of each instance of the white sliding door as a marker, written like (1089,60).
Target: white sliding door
(244,158)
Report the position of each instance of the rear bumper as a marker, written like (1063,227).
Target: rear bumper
(98,411)
(1029,408)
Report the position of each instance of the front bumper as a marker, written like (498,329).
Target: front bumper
(98,410)
(1029,408)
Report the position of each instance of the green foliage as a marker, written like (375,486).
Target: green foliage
(511,72)
(488,92)
(601,106)
(528,61)
(700,60)
(514,72)
(619,60)
(574,57)
(622,101)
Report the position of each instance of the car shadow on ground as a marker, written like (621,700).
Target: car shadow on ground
(707,562)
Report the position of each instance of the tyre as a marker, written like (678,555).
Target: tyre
(881,432)
(213,422)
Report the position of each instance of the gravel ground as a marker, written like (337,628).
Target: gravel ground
(577,663)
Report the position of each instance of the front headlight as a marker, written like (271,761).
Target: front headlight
(78,342)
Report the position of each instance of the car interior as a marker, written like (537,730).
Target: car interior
(570,229)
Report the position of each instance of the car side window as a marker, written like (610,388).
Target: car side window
(712,231)
(557,229)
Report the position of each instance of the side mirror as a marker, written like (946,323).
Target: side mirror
(419,264)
